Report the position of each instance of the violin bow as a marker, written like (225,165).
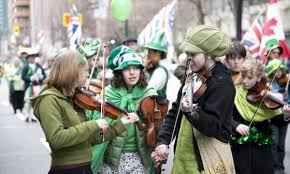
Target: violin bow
(260,104)
(103,85)
(179,106)
(94,67)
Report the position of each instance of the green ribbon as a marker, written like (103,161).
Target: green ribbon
(255,136)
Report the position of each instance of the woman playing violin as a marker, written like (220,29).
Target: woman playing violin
(127,153)
(251,141)
(203,126)
(65,126)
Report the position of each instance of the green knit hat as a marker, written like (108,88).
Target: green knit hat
(89,47)
(274,65)
(122,56)
(207,40)
(273,44)
(158,43)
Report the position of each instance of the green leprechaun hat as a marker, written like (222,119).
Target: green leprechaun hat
(273,44)
(122,56)
(274,65)
(158,43)
(89,48)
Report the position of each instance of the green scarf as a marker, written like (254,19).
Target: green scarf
(247,109)
(127,99)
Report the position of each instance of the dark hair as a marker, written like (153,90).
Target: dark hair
(180,72)
(238,50)
(163,55)
(118,79)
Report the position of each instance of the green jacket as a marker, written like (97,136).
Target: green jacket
(67,130)
(127,100)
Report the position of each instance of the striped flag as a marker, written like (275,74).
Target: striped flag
(252,38)
(162,22)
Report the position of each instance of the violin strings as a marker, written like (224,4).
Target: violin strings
(179,107)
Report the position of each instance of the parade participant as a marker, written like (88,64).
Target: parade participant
(234,60)
(276,72)
(65,126)
(127,153)
(273,50)
(203,125)
(158,74)
(16,87)
(251,141)
(33,76)
(131,43)
(89,49)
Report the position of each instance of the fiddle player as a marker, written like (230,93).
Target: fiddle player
(127,153)
(156,50)
(65,126)
(203,127)
(251,140)
(234,59)
(276,72)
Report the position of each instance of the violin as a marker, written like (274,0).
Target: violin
(198,87)
(257,94)
(153,109)
(85,98)
(283,80)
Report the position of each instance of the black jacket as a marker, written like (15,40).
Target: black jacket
(214,116)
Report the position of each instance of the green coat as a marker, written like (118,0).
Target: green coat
(67,131)
(127,100)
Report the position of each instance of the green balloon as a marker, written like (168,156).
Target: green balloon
(121,9)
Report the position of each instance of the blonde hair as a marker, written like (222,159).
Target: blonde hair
(65,72)
(252,67)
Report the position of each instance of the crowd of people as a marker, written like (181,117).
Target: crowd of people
(230,114)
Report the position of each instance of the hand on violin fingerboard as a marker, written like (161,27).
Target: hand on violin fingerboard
(130,118)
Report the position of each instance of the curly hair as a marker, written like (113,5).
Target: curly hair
(118,80)
(252,68)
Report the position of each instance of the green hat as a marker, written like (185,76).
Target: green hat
(158,43)
(122,56)
(274,65)
(207,40)
(89,47)
(272,44)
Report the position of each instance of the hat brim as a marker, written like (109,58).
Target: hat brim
(190,48)
(155,48)
(126,64)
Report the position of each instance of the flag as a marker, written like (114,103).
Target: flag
(252,38)
(74,32)
(162,22)
(273,29)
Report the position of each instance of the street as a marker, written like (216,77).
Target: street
(22,147)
